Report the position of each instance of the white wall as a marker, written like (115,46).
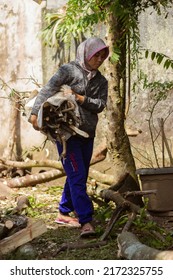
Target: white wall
(20,59)
(156,34)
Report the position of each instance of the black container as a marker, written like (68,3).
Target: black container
(161,180)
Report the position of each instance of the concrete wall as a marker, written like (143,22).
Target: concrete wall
(22,56)
(21,59)
(156,34)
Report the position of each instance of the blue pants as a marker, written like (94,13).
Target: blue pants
(76,165)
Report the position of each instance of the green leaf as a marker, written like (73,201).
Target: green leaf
(146,53)
(167,63)
(114,57)
(153,54)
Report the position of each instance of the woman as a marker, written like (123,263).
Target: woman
(90,89)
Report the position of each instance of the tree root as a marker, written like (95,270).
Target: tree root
(76,245)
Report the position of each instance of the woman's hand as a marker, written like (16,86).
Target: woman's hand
(33,120)
(79,98)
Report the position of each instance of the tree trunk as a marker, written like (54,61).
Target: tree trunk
(18,130)
(119,150)
(14,129)
(8,151)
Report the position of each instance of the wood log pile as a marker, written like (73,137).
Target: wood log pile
(16,230)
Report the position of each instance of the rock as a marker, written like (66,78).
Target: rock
(26,252)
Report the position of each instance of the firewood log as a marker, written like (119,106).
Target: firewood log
(34,229)
(132,249)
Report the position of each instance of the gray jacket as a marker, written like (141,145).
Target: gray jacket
(94,90)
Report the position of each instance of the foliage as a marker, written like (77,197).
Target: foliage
(159,89)
(35,207)
(103,213)
(79,17)
(76,18)
(147,229)
(160,57)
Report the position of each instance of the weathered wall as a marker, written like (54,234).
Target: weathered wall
(22,56)
(156,34)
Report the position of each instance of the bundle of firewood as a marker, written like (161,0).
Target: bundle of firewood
(11,224)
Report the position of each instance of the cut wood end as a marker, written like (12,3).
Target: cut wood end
(9,224)
(164,255)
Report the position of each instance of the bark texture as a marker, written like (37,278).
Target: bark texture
(118,144)
(14,129)
(132,249)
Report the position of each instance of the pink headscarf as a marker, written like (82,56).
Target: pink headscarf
(87,49)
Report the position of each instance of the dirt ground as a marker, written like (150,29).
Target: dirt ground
(44,199)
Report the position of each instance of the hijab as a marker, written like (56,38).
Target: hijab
(86,50)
